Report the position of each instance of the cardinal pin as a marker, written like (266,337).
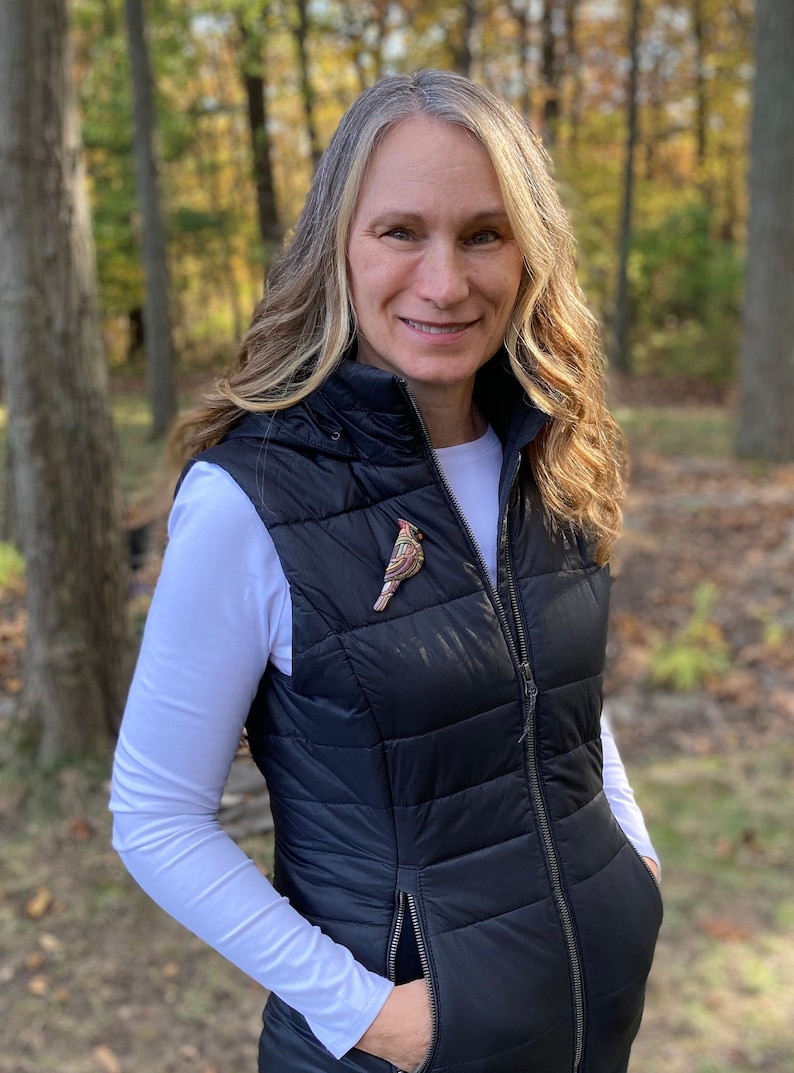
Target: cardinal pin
(406,560)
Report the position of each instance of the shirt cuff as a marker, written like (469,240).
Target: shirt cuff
(340,1040)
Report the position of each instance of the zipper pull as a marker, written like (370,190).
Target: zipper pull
(530,692)
(530,689)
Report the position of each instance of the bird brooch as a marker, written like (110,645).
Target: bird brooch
(406,560)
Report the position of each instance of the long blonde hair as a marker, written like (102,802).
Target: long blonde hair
(305,321)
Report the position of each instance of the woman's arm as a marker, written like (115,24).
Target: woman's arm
(621,799)
(206,643)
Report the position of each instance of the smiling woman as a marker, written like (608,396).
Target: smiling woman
(433,278)
(387,561)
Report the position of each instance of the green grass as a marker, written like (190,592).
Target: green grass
(143,460)
(704,431)
(12,566)
(722,989)
(697,653)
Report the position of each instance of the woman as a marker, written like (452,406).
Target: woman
(387,560)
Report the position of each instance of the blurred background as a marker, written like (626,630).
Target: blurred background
(154,155)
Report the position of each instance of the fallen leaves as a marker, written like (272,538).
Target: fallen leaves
(81,830)
(38,905)
(43,903)
(34,961)
(38,985)
(49,943)
(106,1059)
(13,632)
(691,523)
(725,930)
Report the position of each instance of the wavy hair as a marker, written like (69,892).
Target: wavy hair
(305,321)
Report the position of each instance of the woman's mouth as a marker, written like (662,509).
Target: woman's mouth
(435,329)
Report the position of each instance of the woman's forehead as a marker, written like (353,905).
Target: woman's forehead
(424,157)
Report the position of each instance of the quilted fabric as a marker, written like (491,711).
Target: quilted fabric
(436,766)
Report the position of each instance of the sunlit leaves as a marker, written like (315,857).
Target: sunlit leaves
(694,83)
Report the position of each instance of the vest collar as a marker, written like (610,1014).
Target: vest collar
(361,411)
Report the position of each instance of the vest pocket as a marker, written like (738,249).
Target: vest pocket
(497,972)
(407,917)
(644,863)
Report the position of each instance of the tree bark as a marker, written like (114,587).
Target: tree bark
(301,34)
(255,93)
(521,15)
(362,27)
(620,353)
(766,428)
(550,72)
(10,528)
(465,56)
(701,114)
(66,469)
(573,63)
(160,360)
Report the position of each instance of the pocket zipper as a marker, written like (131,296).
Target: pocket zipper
(647,868)
(407,901)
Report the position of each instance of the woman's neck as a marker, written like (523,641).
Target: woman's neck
(451,416)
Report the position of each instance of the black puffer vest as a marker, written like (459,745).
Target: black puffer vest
(435,768)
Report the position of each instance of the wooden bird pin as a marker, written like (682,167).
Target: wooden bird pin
(406,560)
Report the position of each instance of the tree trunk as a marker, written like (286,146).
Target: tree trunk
(9,533)
(157,314)
(550,71)
(363,29)
(520,13)
(701,115)
(252,67)
(66,469)
(656,102)
(573,63)
(301,33)
(766,428)
(465,56)
(620,352)
(381,18)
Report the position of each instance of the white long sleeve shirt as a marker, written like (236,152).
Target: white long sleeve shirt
(220,611)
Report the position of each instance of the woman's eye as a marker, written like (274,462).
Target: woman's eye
(483,238)
(399,233)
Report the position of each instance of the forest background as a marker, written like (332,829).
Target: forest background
(564,64)
(645,107)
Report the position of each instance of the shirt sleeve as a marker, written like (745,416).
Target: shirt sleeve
(207,640)
(621,796)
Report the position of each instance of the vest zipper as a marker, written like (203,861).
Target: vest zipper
(544,825)
(424,961)
(395,939)
(495,597)
(408,901)
(647,868)
(519,648)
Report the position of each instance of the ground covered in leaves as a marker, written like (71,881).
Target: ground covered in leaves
(95,979)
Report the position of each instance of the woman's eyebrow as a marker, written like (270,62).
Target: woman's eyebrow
(392,216)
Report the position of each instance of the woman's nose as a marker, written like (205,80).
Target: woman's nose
(442,275)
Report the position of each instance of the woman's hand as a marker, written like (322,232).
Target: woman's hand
(654,867)
(401,1032)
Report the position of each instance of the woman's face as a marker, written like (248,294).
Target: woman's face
(433,266)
